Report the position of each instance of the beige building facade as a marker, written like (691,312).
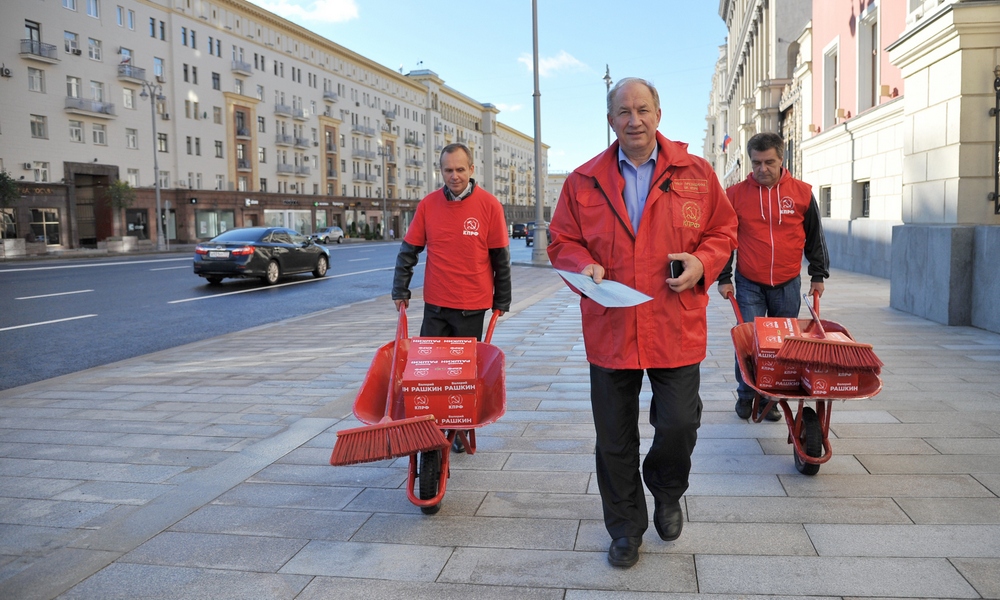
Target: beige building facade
(259,121)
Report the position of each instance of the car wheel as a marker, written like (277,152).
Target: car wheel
(273,273)
(340,239)
(321,266)
(326,240)
(214,280)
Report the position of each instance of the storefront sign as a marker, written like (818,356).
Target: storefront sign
(250,202)
(290,202)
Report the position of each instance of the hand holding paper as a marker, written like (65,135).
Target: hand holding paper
(607,293)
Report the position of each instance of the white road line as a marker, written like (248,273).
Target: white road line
(172,268)
(111,264)
(357,259)
(51,295)
(271,287)
(47,322)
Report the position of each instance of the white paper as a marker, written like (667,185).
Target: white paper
(607,293)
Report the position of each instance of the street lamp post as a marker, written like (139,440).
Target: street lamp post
(153,91)
(607,82)
(383,151)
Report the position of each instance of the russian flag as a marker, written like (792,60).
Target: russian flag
(725,142)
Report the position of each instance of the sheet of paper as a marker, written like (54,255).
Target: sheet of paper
(607,293)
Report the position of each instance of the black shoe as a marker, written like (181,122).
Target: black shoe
(668,520)
(772,415)
(457,447)
(624,551)
(744,408)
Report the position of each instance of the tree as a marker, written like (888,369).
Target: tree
(9,192)
(120,195)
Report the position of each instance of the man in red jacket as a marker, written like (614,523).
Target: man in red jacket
(779,220)
(624,216)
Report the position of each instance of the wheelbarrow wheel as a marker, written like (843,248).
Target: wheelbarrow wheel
(812,440)
(429,477)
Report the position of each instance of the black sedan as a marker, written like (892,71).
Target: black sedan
(266,252)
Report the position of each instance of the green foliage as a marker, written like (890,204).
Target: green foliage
(120,194)
(9,190)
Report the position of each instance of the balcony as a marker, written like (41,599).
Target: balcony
(330,96)
(363,177)
(285,169)
(365,131)
(283,140)
(301,142)
(242,68)
(131,73)
(438,128)
(331,175)
(91,108)
(302,171)
(414,183)
(413,162)
(242,164)
(331,148)
(391,180)
(243,133)
(299,115)
(389,115)
(363,154)
(283,109)
(35,50)
(413,142)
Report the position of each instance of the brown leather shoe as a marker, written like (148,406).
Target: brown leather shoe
(668,520)
(624,551)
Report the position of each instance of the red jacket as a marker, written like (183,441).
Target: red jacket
(776,225)
(591,225)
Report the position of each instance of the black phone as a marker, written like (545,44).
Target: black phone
(676,268)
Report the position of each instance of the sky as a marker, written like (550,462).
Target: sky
(483,49)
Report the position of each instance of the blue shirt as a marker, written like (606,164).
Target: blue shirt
(637,184)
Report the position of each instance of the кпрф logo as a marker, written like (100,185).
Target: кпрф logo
(471,226)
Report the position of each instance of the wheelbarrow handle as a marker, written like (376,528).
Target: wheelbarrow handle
(493,324)
(736,307)
(739,316)
(402,332)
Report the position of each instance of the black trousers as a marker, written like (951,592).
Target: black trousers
(674,413)
(452,322)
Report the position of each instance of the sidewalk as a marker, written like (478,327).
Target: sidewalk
(202,472)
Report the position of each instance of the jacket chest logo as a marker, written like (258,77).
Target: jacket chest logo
(471,226)
(787,206)
(692,214)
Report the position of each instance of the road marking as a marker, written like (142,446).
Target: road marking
(172,268)
(47,322)
(112,264)
(271,287)
(51,295)
(357,259)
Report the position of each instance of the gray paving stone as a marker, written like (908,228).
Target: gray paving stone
(769,464)
(49,513)
(844,447)
(796,510)
(985,446)
(553,463)
(515,481)
(982,573)
(324,588)
(543,445)
(455,502)
(954,463)
(353,476)
(212,551)
(952,511)
(705,484)
(534,505)
(377,561)
(885,486)
(123,581)
(273,522)
(35,487)
(754,539)
(109,472)
(831,576)
(32,540)
(922,541)
(110,492)
(556,569)
(487,532)
(267,495)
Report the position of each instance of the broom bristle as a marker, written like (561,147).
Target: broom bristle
(836,351)
(388,439)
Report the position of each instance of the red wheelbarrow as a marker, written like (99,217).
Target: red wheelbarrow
(808,428)
(430,470)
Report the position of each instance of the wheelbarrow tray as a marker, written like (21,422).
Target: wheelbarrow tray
(801,424)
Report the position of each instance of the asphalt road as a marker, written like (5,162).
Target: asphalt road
(59,317)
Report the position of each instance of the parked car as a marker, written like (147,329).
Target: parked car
(529,235)
(329,234)
(518,231)
(269,253)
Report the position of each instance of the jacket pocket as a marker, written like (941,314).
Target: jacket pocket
(687,211)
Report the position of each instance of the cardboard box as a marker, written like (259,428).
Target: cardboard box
(774,374)
(825,381)
(441,380)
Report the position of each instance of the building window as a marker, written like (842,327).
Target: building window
(184,36)
(161,142)
(133,177)
(866,199)
(72,41)
(131,20)
(152,27)
(100,135)
(93,9)
(36,80)
(97,91)
(131,138)
(220,182)
(194,75)
(188,144)
(262,155)
(260,124)
(831,88)
(243,184)
(38,128)
(826,200)
(197,146)
(260,92)
(164,179)
(158,67)
(70,4)
(120,16)
(41,171)
(128,98)
(76,131)
(217,114)
(218,149)
(263,184)
(868,59)
(94,49)
(45,221)
(216,82)
(185,71)
(163,31)
(238,87)
(72,86)
(194,46)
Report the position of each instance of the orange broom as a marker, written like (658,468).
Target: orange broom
(816,346)
(388,438)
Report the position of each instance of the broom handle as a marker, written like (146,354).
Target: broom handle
(402,330)
(815,313)
(493,324)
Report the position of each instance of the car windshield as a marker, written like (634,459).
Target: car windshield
(248,234)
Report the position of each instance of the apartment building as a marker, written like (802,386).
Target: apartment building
(885,112)
(252,120)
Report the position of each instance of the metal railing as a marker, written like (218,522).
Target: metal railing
(284,140)
(330,95)
(283,109)
(104,108)
(131,71)
(241,67)
(39,49)
(285,168)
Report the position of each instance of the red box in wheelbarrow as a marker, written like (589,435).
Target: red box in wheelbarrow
(428,347)
(443,387)
(824,381)
(774,374)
